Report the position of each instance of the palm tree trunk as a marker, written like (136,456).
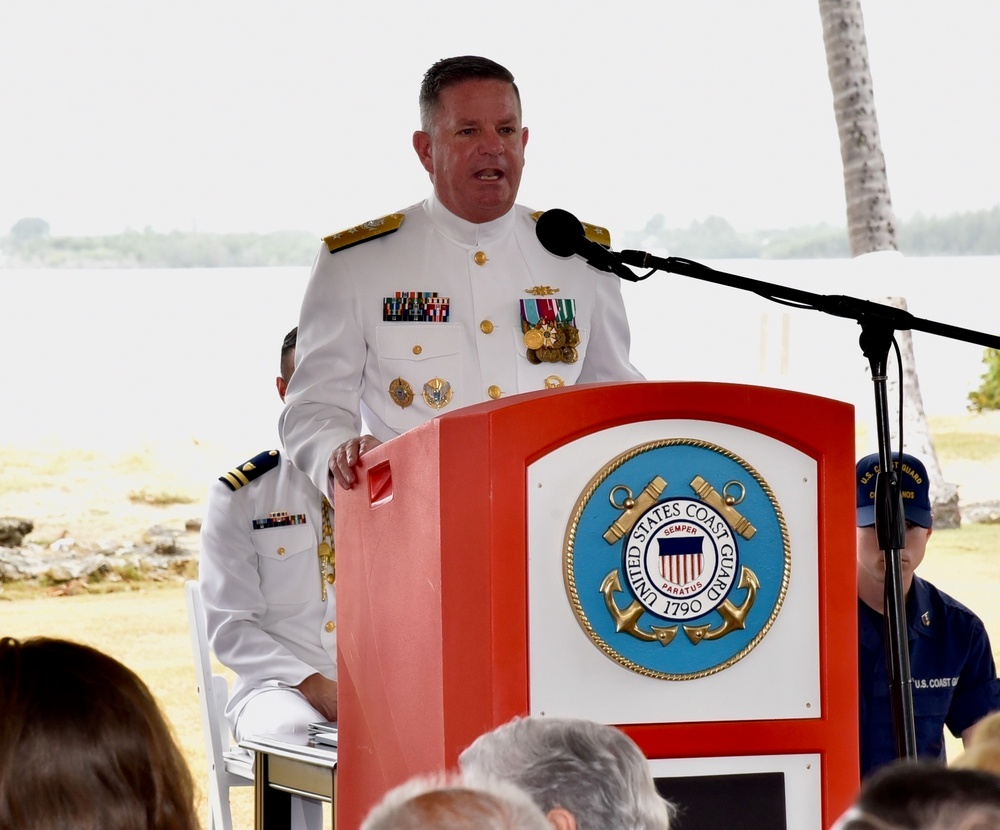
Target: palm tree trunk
(870,218)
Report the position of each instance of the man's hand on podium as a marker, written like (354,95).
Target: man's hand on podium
(346,456)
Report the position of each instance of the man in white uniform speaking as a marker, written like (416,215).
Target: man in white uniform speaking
(450,302)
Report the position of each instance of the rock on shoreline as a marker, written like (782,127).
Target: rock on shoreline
(161,553)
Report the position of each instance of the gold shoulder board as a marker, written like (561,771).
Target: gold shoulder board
(363,232)
(595,233)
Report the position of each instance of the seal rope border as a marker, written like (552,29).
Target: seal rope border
(569,540)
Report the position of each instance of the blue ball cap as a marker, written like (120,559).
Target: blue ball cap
(913,485)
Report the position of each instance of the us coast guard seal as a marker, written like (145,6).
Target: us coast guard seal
(677,559)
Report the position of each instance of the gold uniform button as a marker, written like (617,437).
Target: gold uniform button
(330,626)
(494,392)
(480,257)
(281,551)
(418,349)
(486,327)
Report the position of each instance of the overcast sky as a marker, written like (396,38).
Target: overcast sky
(232,116)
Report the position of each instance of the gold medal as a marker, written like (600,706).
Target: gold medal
(533,339)
(549,335)
(401,393)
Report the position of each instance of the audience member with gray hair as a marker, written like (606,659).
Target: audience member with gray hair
(444,802)
(584,775)
(925,795)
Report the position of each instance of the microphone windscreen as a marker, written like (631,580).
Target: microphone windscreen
(560,232)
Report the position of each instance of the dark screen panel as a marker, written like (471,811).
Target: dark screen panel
(710,802)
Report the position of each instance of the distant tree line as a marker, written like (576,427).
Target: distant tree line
(974,233)
(29,243)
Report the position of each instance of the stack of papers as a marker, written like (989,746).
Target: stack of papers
(324,732)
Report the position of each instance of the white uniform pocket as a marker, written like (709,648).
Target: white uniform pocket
(289,563)
(418,353)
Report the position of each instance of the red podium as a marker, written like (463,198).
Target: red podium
(676,559)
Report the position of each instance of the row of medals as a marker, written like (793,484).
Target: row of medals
(549,341)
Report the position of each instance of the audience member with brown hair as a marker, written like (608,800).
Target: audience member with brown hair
(83,744)
(445,802)
(925,795)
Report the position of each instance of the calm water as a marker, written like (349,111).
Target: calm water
(119,356)
(113,358)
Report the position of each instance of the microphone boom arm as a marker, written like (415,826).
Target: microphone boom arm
(838,305)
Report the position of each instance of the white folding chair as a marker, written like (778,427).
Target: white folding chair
(227,767)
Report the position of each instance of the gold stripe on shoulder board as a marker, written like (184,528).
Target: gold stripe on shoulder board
(372,229)
(595,233)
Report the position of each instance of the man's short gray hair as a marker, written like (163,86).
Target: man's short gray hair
(594,771)
(442,802)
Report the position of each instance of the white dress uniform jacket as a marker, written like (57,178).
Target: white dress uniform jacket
(261,588)
(348,356)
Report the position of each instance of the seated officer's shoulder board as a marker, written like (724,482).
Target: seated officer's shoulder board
(595,233)
(364,232)
(249,470)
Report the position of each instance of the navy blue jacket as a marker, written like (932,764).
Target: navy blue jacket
(951,663)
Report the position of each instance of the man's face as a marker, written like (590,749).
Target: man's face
(474,151)
(871,560)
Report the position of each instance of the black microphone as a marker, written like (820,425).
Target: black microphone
(562,234)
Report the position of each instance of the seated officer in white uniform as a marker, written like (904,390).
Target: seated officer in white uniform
(267,575)
(450,302)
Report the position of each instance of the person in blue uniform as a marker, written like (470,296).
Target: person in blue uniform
(951,662)
(266,575)
(449,302)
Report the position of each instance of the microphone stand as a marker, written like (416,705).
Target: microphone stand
(878,323)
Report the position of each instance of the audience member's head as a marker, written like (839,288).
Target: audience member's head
(451,803)
(924,795)
(83,745)
(983,751)
(584,775)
